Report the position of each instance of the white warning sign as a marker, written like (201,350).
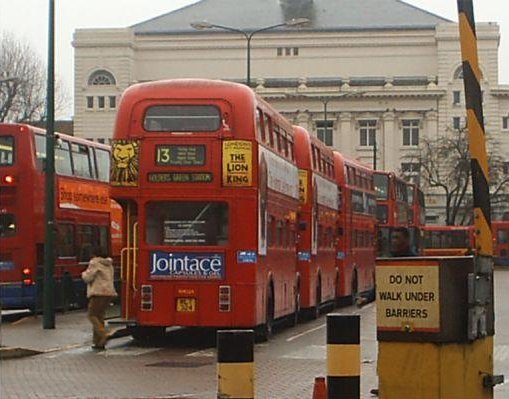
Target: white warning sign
(407,298)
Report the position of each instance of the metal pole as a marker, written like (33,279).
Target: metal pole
(49,254)
(374,151)
(248,77)
(326,127)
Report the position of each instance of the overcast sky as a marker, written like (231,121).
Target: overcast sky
(28,20)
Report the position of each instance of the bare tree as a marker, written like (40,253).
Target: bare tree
(445,166)
(23,83)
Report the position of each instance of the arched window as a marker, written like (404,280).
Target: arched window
(458,73)
(101,78)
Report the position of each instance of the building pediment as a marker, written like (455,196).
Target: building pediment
(324,15)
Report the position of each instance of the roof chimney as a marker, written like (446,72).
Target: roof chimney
(293,9)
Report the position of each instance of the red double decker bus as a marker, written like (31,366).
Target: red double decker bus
(317,219)
(83,214)
(416,216)
(500,232)
(441,240)
(392,207)
(355,249)
(206,174)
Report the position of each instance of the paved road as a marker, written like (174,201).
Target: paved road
(183,366)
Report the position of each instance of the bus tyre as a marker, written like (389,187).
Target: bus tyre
(355,289)
(337,298)
(315,312)
(147,334)
(294,318)
(266,330)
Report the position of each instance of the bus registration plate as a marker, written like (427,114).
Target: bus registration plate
(186,304)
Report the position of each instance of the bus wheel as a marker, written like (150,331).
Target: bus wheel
(265,331)
(355,289)
(372,292)
(315,312)
(147,334)
(337,298)
(294,318)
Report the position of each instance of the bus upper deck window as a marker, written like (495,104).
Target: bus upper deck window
(6,150)
(182,118)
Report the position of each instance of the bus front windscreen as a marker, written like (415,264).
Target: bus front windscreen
(6,150)
(381,186)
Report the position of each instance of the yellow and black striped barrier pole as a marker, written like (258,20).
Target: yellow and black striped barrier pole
(235,364)
(343,356)
(477,143)
(482,345)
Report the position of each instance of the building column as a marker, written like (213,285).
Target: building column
(344,140)
(303,119)
(430,125)
(389,152)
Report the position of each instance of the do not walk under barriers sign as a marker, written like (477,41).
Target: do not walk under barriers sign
(429,300)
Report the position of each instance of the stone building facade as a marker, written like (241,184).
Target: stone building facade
(371,84)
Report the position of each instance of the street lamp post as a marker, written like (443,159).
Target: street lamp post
(374,151)
(248,35)
(49,254)
(325,101)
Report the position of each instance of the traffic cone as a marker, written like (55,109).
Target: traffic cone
(319,389)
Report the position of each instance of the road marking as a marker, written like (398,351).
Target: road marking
(305,332)
(310,352)
(211,352)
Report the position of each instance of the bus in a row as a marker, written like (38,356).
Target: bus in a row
(500,233)
(392,207)
(460,240)
(85,216)
(233,217)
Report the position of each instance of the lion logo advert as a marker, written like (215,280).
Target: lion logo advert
(125,163)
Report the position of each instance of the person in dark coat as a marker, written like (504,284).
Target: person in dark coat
(400,243)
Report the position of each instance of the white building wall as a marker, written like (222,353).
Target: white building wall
(431,55)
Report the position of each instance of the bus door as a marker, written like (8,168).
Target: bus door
(129,260)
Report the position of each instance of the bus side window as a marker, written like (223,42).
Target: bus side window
(81,160)
(85,242)
(268,130)
(260,128)
(40,152)
(103,164)
(65,240)
(270,231)
(63,165)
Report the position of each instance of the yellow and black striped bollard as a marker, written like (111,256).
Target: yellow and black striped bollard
(343,356)
(235,364)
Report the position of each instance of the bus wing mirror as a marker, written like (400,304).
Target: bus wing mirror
(339,231)
(302,226)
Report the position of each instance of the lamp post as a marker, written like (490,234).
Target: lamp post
(248,35)
(374,151)
(49,247)
(325,101)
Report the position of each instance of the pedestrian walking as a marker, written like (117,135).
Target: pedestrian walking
(100,292)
